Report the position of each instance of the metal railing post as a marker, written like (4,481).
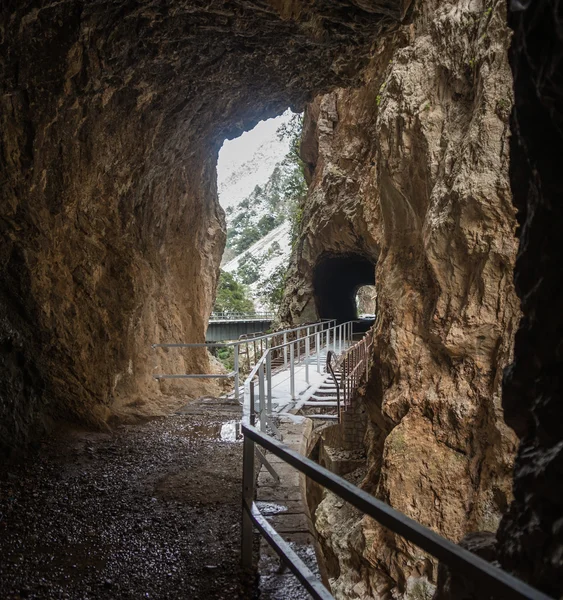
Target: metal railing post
(285,351)
(292,371)
(307,349)
(269,382)
(248,492)
(262,398)
(237,375)
(318,349)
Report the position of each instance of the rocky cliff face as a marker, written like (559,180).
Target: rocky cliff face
(410,171)
(111,118)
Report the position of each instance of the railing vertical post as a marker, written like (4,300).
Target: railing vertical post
(366,358)
(262,398)
(340,339)
(285,350)
(292,371)
(247,492)
(307,349)
(318,349)
(237,375)
(269,381)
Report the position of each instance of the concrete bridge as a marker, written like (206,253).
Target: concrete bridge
(231,327)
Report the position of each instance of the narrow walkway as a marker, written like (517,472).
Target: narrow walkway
(284,504)
(146,511)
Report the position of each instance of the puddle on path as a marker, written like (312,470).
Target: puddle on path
(224,432)
(270,508)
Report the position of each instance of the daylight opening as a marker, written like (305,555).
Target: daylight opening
(337,281)
(261,186)
(366,302)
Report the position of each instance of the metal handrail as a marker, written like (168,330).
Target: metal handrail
(320,326)
(227,316)
(322,322)
(490,578)
(262,370)
(354,363)
(329,356)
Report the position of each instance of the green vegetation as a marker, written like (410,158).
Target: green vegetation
(272,291)
(232,296)
(226,356)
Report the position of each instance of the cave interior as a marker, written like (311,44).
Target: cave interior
(112,114)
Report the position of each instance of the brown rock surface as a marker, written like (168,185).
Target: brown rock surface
(112,114)
(410,171)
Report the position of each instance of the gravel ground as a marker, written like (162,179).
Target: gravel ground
(146,511)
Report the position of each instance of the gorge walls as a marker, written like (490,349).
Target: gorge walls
(112,114)
(410,170)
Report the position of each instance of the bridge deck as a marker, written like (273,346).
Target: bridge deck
(220,330)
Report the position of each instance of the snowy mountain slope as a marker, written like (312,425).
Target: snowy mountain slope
(279,240)
(258,186)
(249,160)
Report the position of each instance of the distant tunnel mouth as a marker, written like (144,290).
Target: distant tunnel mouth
(336,280)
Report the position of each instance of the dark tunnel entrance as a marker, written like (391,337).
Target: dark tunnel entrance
(336,280)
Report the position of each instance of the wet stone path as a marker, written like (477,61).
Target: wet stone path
(146,511)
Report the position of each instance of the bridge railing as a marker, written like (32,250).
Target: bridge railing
(231,316)
(491,581)
(282,343)
(298,352)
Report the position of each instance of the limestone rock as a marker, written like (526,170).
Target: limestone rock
(410,171)
(111,118)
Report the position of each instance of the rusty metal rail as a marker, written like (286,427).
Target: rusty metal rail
(354,364)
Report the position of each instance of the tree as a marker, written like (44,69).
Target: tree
(273,287)
(232,296)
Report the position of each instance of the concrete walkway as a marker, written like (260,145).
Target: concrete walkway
(285,504)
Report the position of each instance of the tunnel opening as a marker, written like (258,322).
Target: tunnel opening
(336,281)
(260,187)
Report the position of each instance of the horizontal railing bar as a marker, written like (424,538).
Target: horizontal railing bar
(289,343)
(288,556)
(238,342)
(195,376)
(198,345)
(449,553)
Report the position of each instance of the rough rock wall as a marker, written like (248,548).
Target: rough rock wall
(412,170)
(111,117)
(531,535)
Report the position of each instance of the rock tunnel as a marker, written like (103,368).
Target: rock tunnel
(112,119)
(112,114)
(336,280)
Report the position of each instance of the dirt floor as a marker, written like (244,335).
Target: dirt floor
(146,511)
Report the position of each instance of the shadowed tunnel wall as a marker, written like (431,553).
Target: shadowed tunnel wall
(336,280)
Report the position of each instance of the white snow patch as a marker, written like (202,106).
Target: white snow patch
(281,235)
(250,159)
